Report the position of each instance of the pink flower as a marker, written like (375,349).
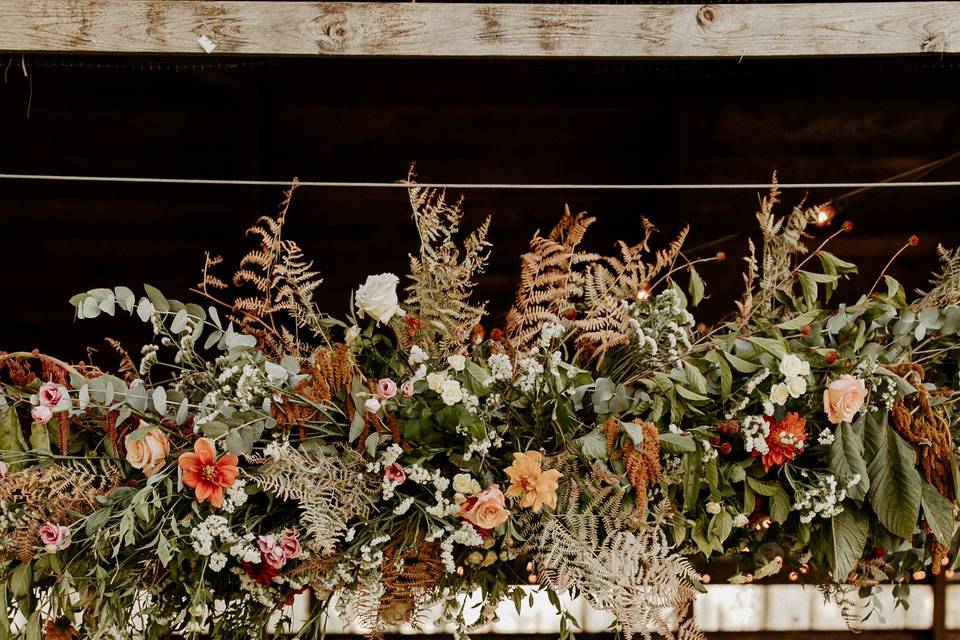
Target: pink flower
(843,398)
(372,404)
(50,395)
(395,474)
(406,389)
(290,544)
(386,388)
(487,511)
(270,552)
(41,414)
(54,537)
(3,470)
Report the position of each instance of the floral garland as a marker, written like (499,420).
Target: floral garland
(400,459)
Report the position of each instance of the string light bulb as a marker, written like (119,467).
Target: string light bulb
(919,575)
(825,213)
(705,579)
(644,293)
(794,576)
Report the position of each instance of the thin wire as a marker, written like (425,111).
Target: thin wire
(487,185)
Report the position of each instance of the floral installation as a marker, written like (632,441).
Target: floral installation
(406,457)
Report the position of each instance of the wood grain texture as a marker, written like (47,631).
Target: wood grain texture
(472,30)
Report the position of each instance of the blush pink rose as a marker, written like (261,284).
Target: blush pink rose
(372,404)
(271,553)
(50,395)
(488,510)
(41,414)
(386,388)
(843,398)
(290,543)
(395,474)
(54,537)
(150,452)
(406,389)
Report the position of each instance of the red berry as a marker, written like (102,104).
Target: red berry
(914,241)
(848,226)
(715,440)
(477,334)
(726,448)
(724,428)
(721,256)
(570,314)
(805,330)
(496,335)
(879,552)
(832,357)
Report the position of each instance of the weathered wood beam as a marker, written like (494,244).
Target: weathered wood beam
(471,30)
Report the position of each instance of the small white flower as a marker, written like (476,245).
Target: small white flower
(417,356)
(826,437)
(378,297)
(779,394)
(435,381)
(217,562)
(713,508)
(450,392)
(500,366)
(741,520)
(768,408)
(796,386)
(457,362)
(792,365)
(352,334)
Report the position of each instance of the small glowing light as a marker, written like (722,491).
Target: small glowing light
(803,568)
(529,567)
(644,293)
(460,571)
(706,578)
(948,574)
(749,577)
(919,575)
(945,562)
(766,523)
(745,549)
(532,578)
(794,576)
(825,213)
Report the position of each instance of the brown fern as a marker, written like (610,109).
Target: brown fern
(127,368)
(548,279)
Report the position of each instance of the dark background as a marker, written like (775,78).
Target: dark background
(462,121)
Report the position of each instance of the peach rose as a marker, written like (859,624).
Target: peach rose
(50,395)
(149,453)
(843,398)
(488,510)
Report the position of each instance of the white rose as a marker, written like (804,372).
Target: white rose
(457,362)
(779,394)
(435,381)
(713,508)
(450,392)
(792,365)
(796,386)
(463,483)
(352,334)
(378,297)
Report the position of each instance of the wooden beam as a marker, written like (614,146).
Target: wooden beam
(471,30)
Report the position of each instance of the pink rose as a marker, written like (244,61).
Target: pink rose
(386,388)
(843,398)
(149,453)
(271,553)
(54,537)
(395,474)
(50,395)
(406,389)
(372,404)
(488,510)
(41,414)
(3,469)
(290,543)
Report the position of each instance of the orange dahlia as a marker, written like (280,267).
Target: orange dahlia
(207,475)
(787,439)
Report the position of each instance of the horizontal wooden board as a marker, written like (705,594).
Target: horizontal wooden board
(472,30)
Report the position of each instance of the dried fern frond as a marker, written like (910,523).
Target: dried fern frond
(621,568)
(946,284)
(548,280)
(61,492)
(610,284)
(210,281)
(330,488)
(127,368)
(443,278)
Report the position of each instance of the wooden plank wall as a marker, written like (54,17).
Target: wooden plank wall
(479,30)
(462,121)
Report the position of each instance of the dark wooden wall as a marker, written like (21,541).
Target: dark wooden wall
(479,121)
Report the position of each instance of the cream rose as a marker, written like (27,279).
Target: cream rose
(843,398)
(450,392)
(488,510)
(779,394)
(435,381)
(378,297)
(791,365)
(796,386)
(149,453)
(457,362)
